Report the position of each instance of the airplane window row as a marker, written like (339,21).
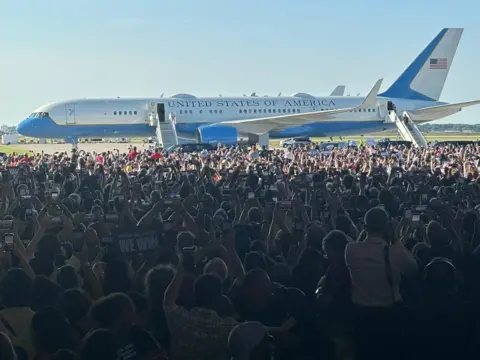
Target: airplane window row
(199,111)
(364,110)
(130,112)
(275,111)
(259,111)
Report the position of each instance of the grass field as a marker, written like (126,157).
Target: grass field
(8,149)
(50,148)
(443,136)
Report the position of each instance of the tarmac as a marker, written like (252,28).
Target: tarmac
(88,147)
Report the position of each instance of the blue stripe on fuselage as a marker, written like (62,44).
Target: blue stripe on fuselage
(319,129)
(47,128)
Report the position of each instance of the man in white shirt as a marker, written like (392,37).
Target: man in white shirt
(288,154)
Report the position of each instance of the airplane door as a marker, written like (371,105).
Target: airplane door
(161,112)
(70,114)
(381,110)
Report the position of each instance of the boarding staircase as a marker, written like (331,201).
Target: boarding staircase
(409,130)
(165,130)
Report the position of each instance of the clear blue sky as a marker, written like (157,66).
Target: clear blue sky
(108,48)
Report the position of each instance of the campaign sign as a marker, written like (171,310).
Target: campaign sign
(133,242)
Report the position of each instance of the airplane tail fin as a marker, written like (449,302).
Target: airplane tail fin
(338,91)
(426,75)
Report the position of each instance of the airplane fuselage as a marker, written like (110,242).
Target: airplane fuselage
(127,117)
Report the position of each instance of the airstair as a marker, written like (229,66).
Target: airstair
(407,128)
(165,130)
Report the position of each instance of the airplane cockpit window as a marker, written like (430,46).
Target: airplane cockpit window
(38,115)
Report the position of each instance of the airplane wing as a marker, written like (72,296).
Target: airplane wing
(263,125)
(338,91)
(440,108)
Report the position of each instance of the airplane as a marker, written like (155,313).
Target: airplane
(225,119)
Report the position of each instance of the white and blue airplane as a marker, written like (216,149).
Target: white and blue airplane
(224,119)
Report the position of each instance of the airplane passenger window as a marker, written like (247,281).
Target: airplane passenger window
(269,110)
(220,111)
(201,111)
(181,111)
(135,112)
(273,110)
(216,111)
(191,112)
(250,110)
(298,110)
(210,111)
(130,112)
(368,110)
(114,113)
(124,113)
(240,111)
(373,110)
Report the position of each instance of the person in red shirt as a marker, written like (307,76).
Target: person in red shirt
(133,154)
(157,154)
(24,159)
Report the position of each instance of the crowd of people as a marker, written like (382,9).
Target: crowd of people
(242,254)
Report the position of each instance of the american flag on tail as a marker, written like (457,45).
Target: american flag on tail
(438,63)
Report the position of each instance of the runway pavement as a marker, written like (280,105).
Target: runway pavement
(93,147)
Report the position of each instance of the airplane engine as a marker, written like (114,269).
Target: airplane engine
(214,134)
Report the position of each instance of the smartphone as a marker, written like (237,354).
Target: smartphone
(189,259)
(298,226)
(54,195)
(77,241)
(251,195)
(8,241)
(415,218)
(89,217)
(111,218)
(226,227)
(274,199)
(6,224)
(167,225)
(284,205)
(408,214)
(28,213)
(167,202)
(424,198)
(56,220)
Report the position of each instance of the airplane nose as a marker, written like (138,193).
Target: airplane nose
(22,126)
